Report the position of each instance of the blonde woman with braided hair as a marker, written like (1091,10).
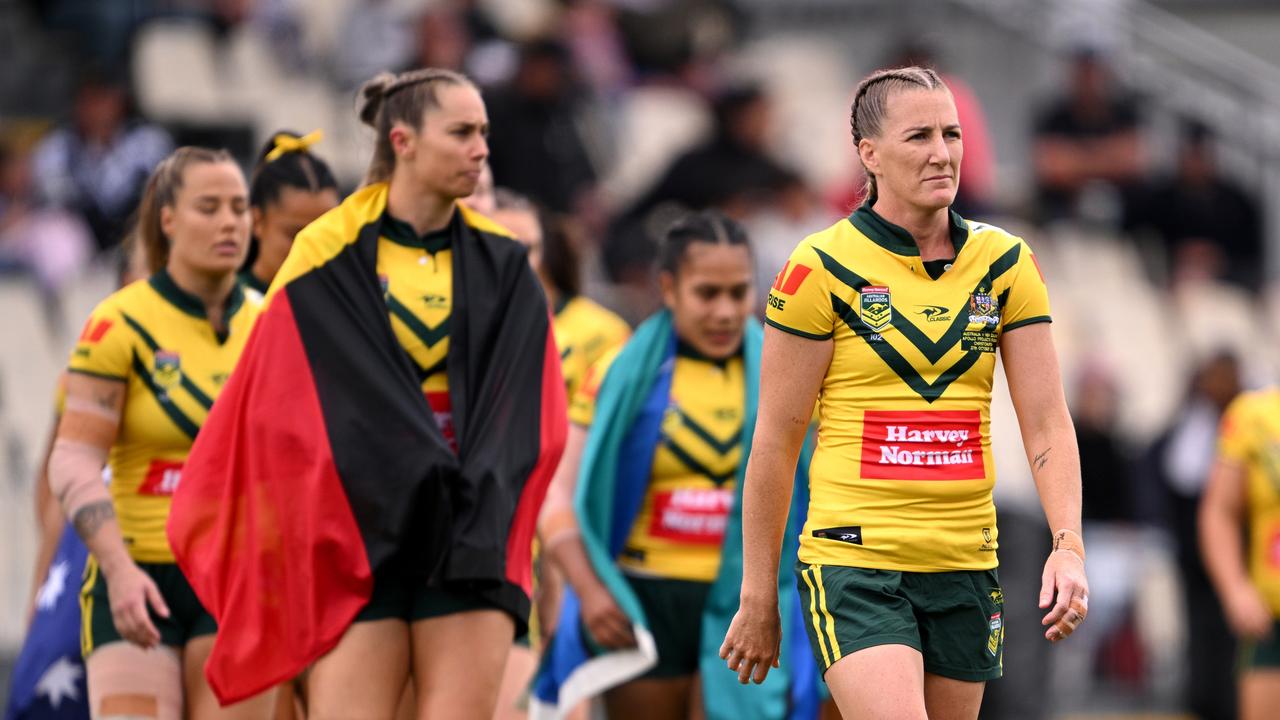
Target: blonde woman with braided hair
(412,343)
(891,320)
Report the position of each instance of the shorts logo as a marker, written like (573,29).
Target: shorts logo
(162,478)
(996,637)
(851,534)
(790,279)
(922,445)
(693,516)
(168,370)
(983,309)
(997,596)
(875,308)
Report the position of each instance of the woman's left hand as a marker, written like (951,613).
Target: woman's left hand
(1064,587)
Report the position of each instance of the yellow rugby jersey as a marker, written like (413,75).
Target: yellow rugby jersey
(585,331)
(416,273)
(902,474)
(679,531)
(1250,436)
(155,337)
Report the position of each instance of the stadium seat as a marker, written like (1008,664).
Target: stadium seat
(654,124)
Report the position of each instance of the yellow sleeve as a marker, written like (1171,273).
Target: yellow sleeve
(1028,300)
(104,348)
(582,407)
(799,300)
(1235,441)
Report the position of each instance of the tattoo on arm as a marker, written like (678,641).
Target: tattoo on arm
(107,399)
(91,517)
(1038,462)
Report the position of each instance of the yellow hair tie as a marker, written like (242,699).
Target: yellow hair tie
(288,143)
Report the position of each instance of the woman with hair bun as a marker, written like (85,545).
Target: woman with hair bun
(391,509)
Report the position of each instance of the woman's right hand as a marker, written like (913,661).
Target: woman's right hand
(130,590)
(606,622)
(1247,614)
(754,641)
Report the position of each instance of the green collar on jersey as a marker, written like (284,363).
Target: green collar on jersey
(895,238)
(163,283)
(686,350)
(402,233)
(251,281)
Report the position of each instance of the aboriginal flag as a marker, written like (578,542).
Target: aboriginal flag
(321,461)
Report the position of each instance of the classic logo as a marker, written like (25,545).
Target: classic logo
(851,534)
(983,309)
(168,370)
(162,478)
(875,308)
(689,515)
(922,445)
(435,302)
(790,279)
(934,313)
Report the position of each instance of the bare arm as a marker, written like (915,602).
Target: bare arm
(1222,511)
(791,370)
(85,433)
(1035,386)
(562,544)
(49,519)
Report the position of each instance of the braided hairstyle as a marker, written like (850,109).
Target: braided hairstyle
(870,104)
(707,226)
(390,98)
(285,161)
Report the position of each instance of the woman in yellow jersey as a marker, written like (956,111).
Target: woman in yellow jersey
(151,359)
(289,189)
(684,485)
(891,319)
(1242,500)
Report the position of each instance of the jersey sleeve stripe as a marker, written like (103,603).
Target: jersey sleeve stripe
(99,375)
(1028,321)
(800,333)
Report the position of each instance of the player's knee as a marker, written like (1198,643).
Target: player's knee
(127,682)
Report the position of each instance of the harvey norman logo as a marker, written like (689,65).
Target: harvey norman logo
(922,445)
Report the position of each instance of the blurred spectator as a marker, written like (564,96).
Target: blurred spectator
(1088,154)
(1104,468)
(1180,460)
(978,168)
(443,39)
(375,36)
(97,164)
(53,246)
(597,47)
(1209,226)
(732,171)
(537,145)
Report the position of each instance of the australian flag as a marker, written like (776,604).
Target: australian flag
(49,678)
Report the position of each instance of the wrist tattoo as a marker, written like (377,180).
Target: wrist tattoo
(91,517)
(1038,462)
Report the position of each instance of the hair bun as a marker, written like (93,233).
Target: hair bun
(372,93)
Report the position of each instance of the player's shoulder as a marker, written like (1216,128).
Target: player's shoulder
(994,239)
(1250,402)
(599,319)
(138,297)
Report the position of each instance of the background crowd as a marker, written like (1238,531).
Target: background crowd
(1149,223)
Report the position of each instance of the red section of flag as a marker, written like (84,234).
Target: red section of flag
(284,592)
(922,445)
(553,429)
(93,332)
(442,408)
(162,478)
(697,517)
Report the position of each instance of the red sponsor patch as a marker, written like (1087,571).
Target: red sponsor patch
(922,445)
(691,516)
(789,280)
(442,408)
(162,479)
(1273,548)
(94,331)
